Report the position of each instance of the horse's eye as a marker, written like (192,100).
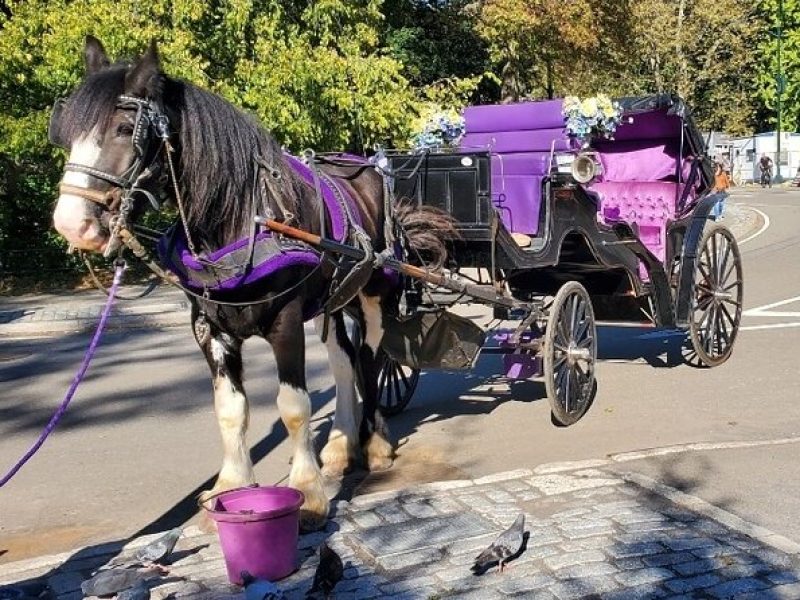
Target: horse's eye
(124,130)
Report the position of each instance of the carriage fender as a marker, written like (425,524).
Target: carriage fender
(691,240)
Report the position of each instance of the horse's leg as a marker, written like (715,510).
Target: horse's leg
(288,343)
(374,434)
(224,356)
(341,450)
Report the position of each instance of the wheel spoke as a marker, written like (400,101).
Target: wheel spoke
(573,316)
(403,377)
(728,316)
(382,381)
(396,383)
(723,263)
(567,389)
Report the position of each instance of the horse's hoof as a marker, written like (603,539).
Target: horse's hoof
(380,463)
(336,470)
(338,457)
(206,523)
(379,453)
(311,521)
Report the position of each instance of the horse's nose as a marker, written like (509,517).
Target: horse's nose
(77,224)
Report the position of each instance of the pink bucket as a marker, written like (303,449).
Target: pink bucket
(258,529)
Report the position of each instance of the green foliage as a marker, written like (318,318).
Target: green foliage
(312,71)
(767,65)
(345,74)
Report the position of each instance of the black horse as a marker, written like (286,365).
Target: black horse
(118,160)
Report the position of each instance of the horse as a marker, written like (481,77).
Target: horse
(137,137)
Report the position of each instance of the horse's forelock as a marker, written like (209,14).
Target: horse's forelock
(92,105)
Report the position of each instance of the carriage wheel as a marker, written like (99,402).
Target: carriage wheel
(570,353)
(716,309)
(396,385)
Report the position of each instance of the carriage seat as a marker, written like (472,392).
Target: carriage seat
(520,160)
(645,205)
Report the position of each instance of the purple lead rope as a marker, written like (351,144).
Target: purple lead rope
(75,381)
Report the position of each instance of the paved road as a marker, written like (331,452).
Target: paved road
(141,440)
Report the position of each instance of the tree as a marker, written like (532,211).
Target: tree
(311,70)
(766,67)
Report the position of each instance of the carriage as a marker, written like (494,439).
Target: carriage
(557,236)
(549,233)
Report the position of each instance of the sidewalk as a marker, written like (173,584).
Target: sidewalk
(49,314)
(593,533)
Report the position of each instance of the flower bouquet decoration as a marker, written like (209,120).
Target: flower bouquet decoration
(437,128)
(596,116)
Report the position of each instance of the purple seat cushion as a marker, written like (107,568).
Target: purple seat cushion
(540,140)
(514,117)
(518,199)
(521,163)
(639,160)
(647,204)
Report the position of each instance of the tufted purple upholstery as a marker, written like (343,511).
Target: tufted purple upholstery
(647,205)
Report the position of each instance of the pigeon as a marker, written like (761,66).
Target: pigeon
(329,572)
(504,547)
(260,589)
(158,550)
(140,591)
(113,581)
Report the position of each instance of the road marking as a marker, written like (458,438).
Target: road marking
(771,305)
(770,326)
(760,231)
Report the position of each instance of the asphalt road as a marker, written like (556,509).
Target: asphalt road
(140,440)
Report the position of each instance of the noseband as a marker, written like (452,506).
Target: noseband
(150,123)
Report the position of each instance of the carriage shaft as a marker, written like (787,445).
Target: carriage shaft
(487,294)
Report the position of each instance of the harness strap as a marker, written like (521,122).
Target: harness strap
(105,198)
(112,179)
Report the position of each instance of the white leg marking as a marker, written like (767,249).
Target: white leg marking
(232,416)
(373,318)
(218,351)
(295,409)
(342,443)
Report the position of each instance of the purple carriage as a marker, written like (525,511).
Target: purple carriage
(618,230)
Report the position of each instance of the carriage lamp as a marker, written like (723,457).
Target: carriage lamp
(586,167)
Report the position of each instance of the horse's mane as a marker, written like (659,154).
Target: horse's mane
(218,147)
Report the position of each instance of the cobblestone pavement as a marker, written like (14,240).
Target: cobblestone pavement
(592,534)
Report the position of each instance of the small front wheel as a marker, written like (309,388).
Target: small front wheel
(570,354)
(396,385)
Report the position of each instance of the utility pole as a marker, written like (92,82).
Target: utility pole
(780,82)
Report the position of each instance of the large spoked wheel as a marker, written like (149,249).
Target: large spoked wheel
(716,309)
(396,385)
(570,354)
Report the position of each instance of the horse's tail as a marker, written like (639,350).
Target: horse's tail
(426,230)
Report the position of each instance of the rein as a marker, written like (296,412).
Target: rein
(87,358)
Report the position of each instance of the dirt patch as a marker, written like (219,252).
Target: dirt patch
(413,465)
(29,544)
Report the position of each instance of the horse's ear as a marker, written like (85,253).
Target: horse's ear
(144,79)
(94,55)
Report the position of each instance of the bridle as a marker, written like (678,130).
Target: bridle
(150,124)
